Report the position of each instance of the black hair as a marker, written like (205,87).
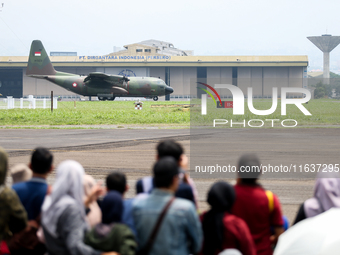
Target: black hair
(221,197)
(169,148)
(41,160)
(116,181)
(249,167)
(164,171)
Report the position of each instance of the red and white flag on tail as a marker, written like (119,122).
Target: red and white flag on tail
(37,53)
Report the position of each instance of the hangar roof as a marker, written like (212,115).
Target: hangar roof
(174,61)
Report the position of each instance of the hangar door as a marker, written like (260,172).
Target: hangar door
(11,82)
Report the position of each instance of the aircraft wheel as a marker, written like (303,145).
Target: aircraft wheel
(101,98)
(155,98)
(112,98)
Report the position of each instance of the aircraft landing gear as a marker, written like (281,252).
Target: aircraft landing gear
(155,98)
(106,98)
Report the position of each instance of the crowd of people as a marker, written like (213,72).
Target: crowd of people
(75,215)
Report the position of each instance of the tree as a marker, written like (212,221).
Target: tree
(326,90)
(320,90)
(319,93)
(337,91)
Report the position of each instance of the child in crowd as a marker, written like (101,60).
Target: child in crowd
(111,234)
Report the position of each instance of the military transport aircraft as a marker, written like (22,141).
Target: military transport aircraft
(104,86)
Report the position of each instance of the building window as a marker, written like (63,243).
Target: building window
(147,50)
(234,75)
(139,50)
(201,77)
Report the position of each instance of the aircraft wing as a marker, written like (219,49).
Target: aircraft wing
(110,79)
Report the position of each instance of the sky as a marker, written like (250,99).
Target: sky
(214,27)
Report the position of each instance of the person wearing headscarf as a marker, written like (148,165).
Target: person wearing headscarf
(326,196)
(221,229)
(13,217)
(94,216)
(63,213)
(111,234)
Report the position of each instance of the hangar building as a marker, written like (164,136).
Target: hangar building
(151,58)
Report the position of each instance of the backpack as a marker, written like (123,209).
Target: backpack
(270,197)
(26,241)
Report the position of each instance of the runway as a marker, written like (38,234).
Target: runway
(132,151)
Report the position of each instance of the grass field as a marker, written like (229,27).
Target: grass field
(325,112)
(98,113)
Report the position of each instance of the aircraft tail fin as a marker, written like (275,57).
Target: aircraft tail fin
(39,63)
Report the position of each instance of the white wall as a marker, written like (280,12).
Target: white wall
(157,72)
(180,79)
(176,80)
(244,79)
(189,75)
(256,81)
(220,75)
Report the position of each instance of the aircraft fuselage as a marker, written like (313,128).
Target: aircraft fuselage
(136,86)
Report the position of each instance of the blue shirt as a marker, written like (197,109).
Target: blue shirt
(180,231)
(127,217)
(32,194)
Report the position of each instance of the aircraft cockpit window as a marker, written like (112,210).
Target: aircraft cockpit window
(160,82)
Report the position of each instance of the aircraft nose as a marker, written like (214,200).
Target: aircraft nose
(168,90)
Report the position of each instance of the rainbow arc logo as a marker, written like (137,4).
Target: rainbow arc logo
(224,104)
